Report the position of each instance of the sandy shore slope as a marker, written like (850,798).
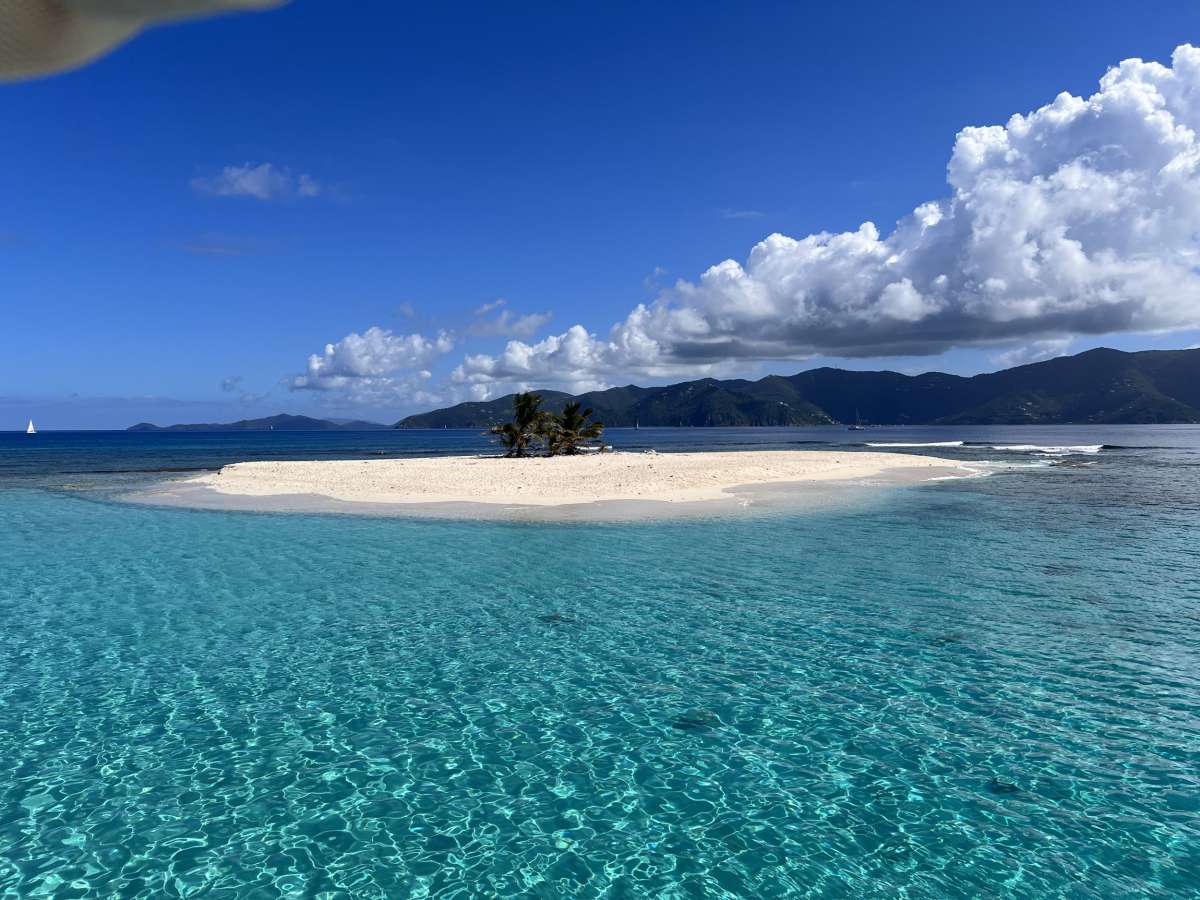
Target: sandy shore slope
(564,480)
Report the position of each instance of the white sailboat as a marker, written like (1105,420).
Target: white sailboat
(29,429)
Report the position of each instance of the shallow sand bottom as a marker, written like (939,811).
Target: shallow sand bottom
(598,485)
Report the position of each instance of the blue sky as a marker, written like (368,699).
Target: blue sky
(572,160)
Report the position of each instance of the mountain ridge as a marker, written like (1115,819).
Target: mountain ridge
(1101,386)
(282,422)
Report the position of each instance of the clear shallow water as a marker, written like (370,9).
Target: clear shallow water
(980,688)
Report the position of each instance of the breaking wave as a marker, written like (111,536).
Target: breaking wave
(926,444)
(1047,450)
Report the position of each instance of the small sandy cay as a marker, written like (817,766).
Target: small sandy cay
(593,480)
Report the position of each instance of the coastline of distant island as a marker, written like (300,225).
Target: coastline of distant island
(270,423)
(1097,387)
(1100,386)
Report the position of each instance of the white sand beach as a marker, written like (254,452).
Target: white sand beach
(562,480)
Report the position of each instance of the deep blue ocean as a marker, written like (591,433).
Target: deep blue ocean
(980,688)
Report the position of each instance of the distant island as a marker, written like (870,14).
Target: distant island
(1100,386)
(271,423)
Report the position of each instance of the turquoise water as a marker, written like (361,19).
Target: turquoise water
(984,688)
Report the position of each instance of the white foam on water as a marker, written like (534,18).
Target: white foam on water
(988,466)
(1048,450)
(928,444)
(971,473)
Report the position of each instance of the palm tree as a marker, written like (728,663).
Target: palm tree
(527,426)
(571,430)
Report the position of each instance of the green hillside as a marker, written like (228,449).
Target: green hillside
(1099,386)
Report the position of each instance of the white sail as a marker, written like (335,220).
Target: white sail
(29,429)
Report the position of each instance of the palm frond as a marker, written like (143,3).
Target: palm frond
(527,427)
(571,429)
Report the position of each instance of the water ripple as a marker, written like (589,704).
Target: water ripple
(978,690)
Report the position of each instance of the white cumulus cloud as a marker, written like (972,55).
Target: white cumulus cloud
(375,366)
(1034,351)
(494,319)
(262,182)
(1080,218)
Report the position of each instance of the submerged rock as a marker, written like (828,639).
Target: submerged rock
(556,619)
(697,720)
(952,638)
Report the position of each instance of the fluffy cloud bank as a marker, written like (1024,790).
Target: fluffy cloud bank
(262,182)
(1079,218)
(375,366)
